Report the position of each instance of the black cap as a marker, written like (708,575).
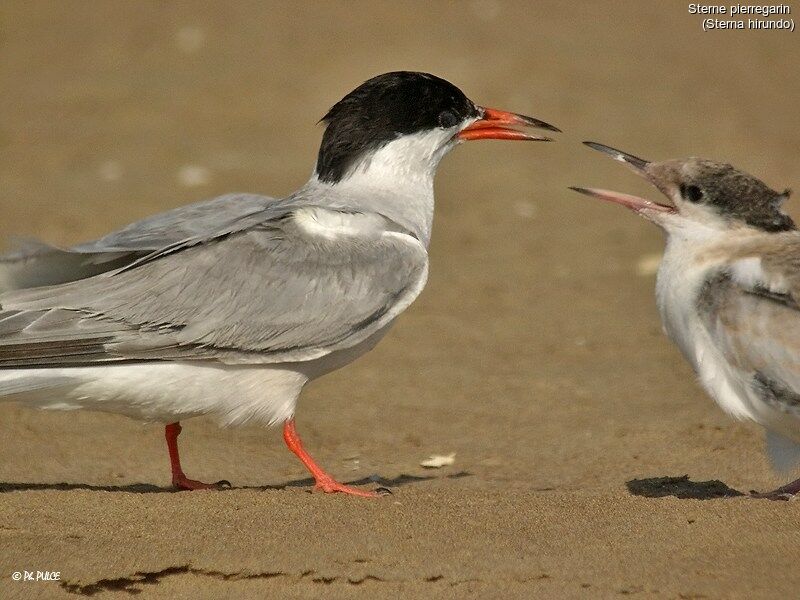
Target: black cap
(382,109)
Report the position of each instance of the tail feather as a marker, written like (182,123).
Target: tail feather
(37,264)
(13,383)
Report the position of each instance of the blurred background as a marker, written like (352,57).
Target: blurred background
(535,353)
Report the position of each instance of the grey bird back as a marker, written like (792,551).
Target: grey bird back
(37,264)
(250,286)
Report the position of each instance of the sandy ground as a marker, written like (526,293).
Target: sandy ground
(535,353)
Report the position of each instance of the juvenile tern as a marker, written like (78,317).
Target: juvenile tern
(728,290)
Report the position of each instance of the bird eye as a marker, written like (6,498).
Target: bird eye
(447,119)
(692,193)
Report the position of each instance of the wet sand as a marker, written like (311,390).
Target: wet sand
(535,353)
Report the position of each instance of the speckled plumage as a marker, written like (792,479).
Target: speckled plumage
(728,290)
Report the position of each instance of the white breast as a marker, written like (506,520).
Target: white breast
(683,271)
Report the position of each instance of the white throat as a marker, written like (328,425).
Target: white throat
(395,181)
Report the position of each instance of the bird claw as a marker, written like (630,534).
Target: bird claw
(331,486)
(184,483)
(778,494)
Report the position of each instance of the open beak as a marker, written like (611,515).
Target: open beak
(638,166)
(633,202)
(499,125)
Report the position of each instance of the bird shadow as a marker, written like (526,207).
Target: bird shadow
(146,488)
(680,487)
(398,481)
(135,488)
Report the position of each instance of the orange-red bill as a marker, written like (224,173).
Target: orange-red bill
(627,200)
(497,124)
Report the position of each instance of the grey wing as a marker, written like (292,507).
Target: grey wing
(272,293)
(36,264)
(757,328)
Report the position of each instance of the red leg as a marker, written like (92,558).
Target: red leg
(324,482)
(179,479)
(785,492)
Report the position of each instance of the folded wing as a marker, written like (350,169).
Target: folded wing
(36,264)
(276,291)
(753,311)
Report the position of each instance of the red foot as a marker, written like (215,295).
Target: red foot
(179,479)
(184,483)
(324,482)
(331,486)
(790,491)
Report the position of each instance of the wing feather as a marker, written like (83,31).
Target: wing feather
(273,292)
(36,264)
(756,322)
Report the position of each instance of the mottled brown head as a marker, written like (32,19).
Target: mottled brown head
(703,191)
(732,194)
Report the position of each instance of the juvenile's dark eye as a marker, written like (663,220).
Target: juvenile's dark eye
(447,119)
(692,193)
